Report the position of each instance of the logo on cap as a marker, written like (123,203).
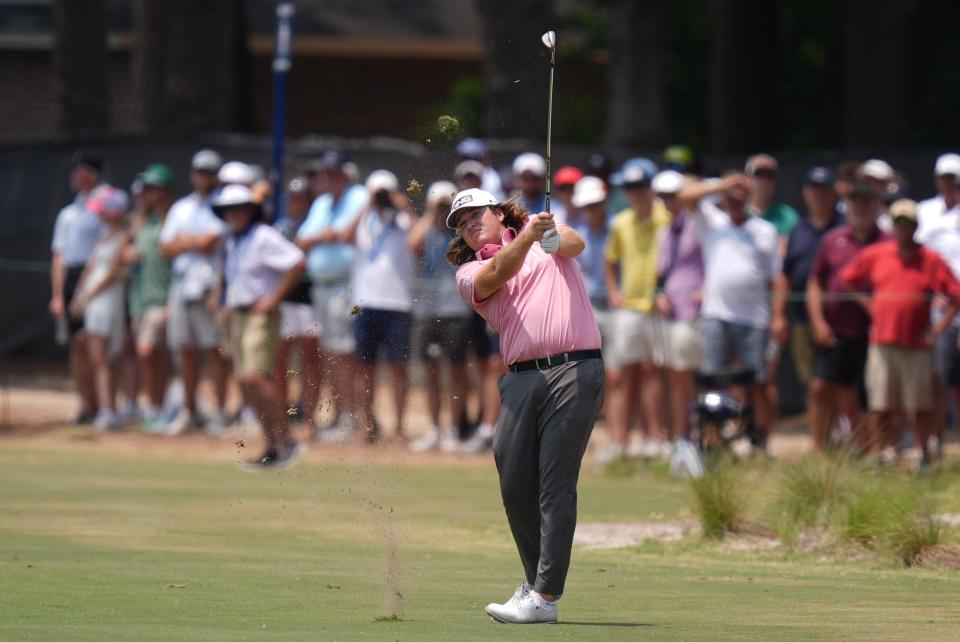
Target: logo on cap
(463,200)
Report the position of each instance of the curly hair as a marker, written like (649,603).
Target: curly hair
(514,216)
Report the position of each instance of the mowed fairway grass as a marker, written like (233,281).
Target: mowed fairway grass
(97,544)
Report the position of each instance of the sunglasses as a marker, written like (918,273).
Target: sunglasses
(667,196)
(765,173)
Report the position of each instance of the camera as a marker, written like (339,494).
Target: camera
(382,199)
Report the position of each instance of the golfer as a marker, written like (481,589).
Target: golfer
(529,289)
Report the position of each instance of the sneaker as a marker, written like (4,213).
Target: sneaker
(288,455)
(131,413)
(330,426)
(427,441)
(525,607)
(449,443)
(84,417)
(344,431)
(608,453)
(217,425)
(480,442)
(650,449)
(107,420)
(153,425)
(184,421)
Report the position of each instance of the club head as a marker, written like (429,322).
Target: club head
(549,39)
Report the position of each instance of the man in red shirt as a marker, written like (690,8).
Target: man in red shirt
(902,277)
(840,327)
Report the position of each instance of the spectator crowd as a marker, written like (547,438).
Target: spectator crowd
(688,275)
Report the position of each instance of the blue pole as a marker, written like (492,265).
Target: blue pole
(281,67)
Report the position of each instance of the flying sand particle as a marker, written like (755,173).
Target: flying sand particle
(414,187)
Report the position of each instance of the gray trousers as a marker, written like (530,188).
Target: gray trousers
(545,423)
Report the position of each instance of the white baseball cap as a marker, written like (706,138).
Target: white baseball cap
(589,190)
(877,169)
(529,162)
(467,168)
(473,197)
(382,179)
(667,182)
(947,164)
(206,160)
(232,196)
(441,190)
(236,173)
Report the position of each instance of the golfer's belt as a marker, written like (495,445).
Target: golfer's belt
(558,359)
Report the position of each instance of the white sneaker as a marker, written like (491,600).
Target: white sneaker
(344,431)
(665,450)
(448,442)
(106,420)
(525,607)
(184,421)
(480,442)
(427,441)
(608,453)
(131,413)
(650,449)
(217,425)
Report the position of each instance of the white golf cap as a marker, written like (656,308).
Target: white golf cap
(206,160)
(232,196)
(947,164)
(382,179)
(667,182)
(877,169)
(441,190)
(529,162)
(473,197)
(589,190)
(236,173)
(469,168)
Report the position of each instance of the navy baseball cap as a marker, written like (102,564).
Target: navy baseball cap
(86,159)
(819,175)
(332,159)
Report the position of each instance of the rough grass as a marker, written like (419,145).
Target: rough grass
(719,498)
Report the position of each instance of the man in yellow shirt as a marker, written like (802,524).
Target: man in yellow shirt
(631,275)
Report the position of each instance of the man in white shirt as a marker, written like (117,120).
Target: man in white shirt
(261,268)
(942,209)
(75,234)
(382,285)
(192,238)
(741,260)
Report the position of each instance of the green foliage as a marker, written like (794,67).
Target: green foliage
(815,486)
(718,498)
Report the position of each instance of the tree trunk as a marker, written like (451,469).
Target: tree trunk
(636,106)
(184,67)
(516,66)
(744,75)
(82,66)
(876,47)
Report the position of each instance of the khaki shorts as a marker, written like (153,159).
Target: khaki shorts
(190,324)
(632,339)
(150,328)
(683,347)
(899,378)
(254,341)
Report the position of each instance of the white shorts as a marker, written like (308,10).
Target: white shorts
(334,316)
(190,325)
(683,346)
(297,320)
(634,338)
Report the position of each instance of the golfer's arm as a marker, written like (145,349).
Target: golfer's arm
(571,244)
(58,276)
(501,268)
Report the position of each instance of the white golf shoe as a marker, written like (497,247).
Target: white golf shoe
(525,607)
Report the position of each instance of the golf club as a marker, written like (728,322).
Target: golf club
(551,239)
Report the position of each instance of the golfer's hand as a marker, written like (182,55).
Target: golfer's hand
(538,225)
(663,306)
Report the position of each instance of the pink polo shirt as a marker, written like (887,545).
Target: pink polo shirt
(542,311)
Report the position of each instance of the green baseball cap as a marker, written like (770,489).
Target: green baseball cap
(157,175)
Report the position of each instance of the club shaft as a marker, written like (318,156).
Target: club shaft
(553,56)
